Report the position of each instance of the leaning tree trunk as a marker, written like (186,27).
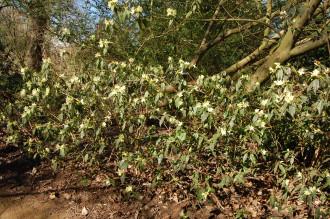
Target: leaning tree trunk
(39,20)
(285,48)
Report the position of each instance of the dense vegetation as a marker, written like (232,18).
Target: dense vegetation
(205,92)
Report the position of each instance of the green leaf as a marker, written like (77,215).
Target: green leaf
(178,102)
(204,116)
(161,121)
(62,150)
(281,167)
(123,164)
(319,106)
(315,85)
(253,159)
(101,149)
(245,157)
(239,178)
(86,157)
(181,135)
(160,158)
(292,110)
(54,164)
(225,181)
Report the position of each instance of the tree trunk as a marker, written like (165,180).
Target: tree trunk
(39,20)
(282,53)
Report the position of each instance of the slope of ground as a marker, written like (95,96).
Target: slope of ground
(31,189)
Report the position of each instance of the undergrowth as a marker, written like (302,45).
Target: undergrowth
(159,127)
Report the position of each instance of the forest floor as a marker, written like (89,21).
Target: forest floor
(30,189)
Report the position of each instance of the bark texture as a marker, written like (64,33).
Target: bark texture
(39,19)
(285,49)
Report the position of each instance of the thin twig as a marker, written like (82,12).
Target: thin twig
(216,201)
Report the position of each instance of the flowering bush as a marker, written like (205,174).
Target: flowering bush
(152,118)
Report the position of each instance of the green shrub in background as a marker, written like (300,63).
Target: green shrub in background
(10,78)
(152,120)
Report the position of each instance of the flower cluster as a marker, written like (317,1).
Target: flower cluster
(171,12)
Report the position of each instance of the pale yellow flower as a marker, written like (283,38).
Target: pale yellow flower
(243,104)
(131,60)
(250,128)
(108,22)
(301,71)
(65,31)
(288,97)
(315,73)
(277,65)
(138,9)
(129,189)
(103,43)
(23,70)
(279,82)
(264,102)
(223,131)
(112,3)
(171,12)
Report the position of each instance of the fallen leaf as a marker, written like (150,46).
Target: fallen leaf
(67,196)
(52,196)
(34,171)
(84,211)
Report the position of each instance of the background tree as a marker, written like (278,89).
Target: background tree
(39,14)
(46,24)
(204,31)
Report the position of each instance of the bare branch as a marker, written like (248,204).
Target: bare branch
(222,36)
(211,24)
(285,51)
(246,60)
(268,17)
(266,43)
(309,45)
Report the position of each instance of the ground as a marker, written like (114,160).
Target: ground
(31,189)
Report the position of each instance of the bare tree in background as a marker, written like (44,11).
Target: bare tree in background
(39,17)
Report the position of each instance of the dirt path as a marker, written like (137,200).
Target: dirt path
(32,207)
(65,205)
